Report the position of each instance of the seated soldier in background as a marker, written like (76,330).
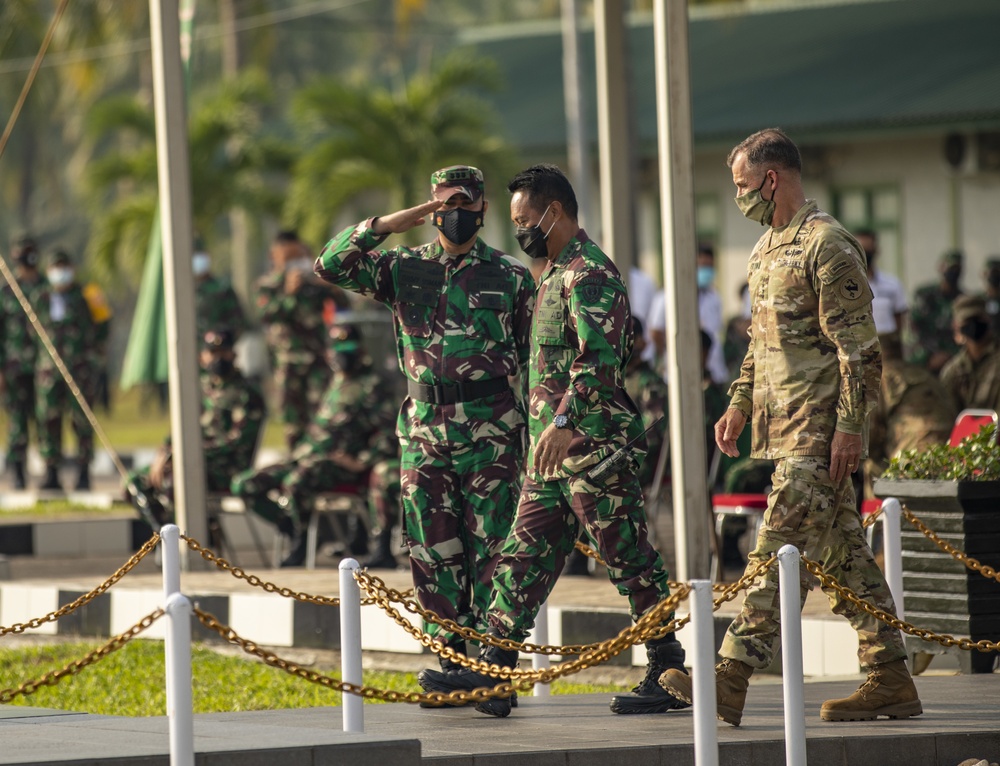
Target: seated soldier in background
(972,376)
(385,508)
(352,431)
(231,418)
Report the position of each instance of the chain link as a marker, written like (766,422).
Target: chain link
(86,598)
(53,677)
(973,564)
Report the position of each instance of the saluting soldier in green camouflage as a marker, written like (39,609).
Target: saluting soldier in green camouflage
(580,413)
(215,300)
(292,306)
(232,414)
(18,354)
(932,343)
(462,313)
(65,315)
(351,432)
(809,381)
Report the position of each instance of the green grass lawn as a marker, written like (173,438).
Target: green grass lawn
(130,682)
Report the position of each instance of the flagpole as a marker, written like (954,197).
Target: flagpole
(178,278)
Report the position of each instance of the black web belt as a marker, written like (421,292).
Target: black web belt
(456,392)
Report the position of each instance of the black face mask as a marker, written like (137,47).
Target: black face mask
(459,225)
(532,238)
(974,329)
(952,274)
(347,363)
(220,367)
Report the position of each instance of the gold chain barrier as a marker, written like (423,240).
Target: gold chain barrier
(86,598)
(53,677)
(590,553)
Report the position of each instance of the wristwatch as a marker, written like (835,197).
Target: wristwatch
(561,421)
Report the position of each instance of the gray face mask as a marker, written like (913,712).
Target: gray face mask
(755,207)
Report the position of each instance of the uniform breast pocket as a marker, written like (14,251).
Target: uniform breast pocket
(414,319)
(490,316)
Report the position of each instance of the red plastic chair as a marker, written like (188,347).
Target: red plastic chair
(970,422)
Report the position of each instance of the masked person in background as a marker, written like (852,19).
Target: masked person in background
(65,315)
(216,303)
(932,343)
(972,377)
(19,349)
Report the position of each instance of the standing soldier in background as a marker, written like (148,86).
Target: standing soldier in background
(650,394)
(66,317)
(19,346)
(462,313)
(293,305)
(930,319)
(216,303)
(100,313)
(972,376)
(580,414)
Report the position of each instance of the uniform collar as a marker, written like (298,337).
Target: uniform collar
(478,251)
(571,249)
(787,234)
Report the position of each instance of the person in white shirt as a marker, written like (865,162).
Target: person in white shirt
(641,297)
(889,305)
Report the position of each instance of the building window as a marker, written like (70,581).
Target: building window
(707,219)
(877,208)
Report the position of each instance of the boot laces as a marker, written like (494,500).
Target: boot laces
(871,683)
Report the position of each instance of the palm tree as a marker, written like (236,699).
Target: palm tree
(234,164)
(364,138)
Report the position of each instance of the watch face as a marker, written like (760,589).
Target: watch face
(561,421)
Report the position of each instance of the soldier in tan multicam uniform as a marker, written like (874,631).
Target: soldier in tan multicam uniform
(809,380)
(972,376)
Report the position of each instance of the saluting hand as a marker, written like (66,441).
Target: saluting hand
(404,220)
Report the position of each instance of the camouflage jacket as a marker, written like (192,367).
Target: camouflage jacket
(19,343)
(580,342)
(216,307)
(232,415)
(974,385)
(930,324)
(456,320)
(67,319)
(814,361)
(356,416)
(650,394)
(293,322)
(913,411)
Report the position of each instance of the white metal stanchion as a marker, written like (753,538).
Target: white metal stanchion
(350,644)
(177,652)
(892,548)
(180,715)
(541,636)
(789,591)
(706,743)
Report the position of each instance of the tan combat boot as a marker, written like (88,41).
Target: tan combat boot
(889,691)
(732,678)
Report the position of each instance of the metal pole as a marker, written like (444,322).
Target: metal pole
(692,519)
(170,557)
(892,548)
(542,661)
(790,594)
(577,144)
(706,742)
(178,279)
(180,712)
(350,644)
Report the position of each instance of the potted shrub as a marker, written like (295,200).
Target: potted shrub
(956,492)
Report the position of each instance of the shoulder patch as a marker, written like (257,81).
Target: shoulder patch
(842,275)
(592,285)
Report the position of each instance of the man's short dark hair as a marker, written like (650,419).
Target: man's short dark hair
(866,232)
(768,147)
(704,248)
(545,184)
(288,236)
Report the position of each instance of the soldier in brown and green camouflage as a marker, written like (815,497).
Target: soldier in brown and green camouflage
(232,414)
(649,392)
(215,300)
(19,346)
(462,314)
(808,382)
(292,307)
(65,315)
(580,413)
(931,341)
(972,377)
(350,433)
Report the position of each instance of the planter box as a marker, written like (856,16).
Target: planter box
(942,594)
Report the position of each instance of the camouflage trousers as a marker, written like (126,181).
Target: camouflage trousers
(549,516)
(807,510)
(19,404)
(285,489)
(458,506)
(299,388)
(55,401)
(384,494)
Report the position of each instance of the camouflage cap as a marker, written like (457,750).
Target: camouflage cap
(60,258)
(461,179)
(951,258)
(219,339)
(968,307)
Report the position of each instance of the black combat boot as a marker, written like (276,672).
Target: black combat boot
(20,482)
(382,557)
(467,680)
(448,665)
(649,697)
(83,478)
(51,478)
(297,555)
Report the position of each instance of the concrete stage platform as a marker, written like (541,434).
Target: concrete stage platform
(959,722)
